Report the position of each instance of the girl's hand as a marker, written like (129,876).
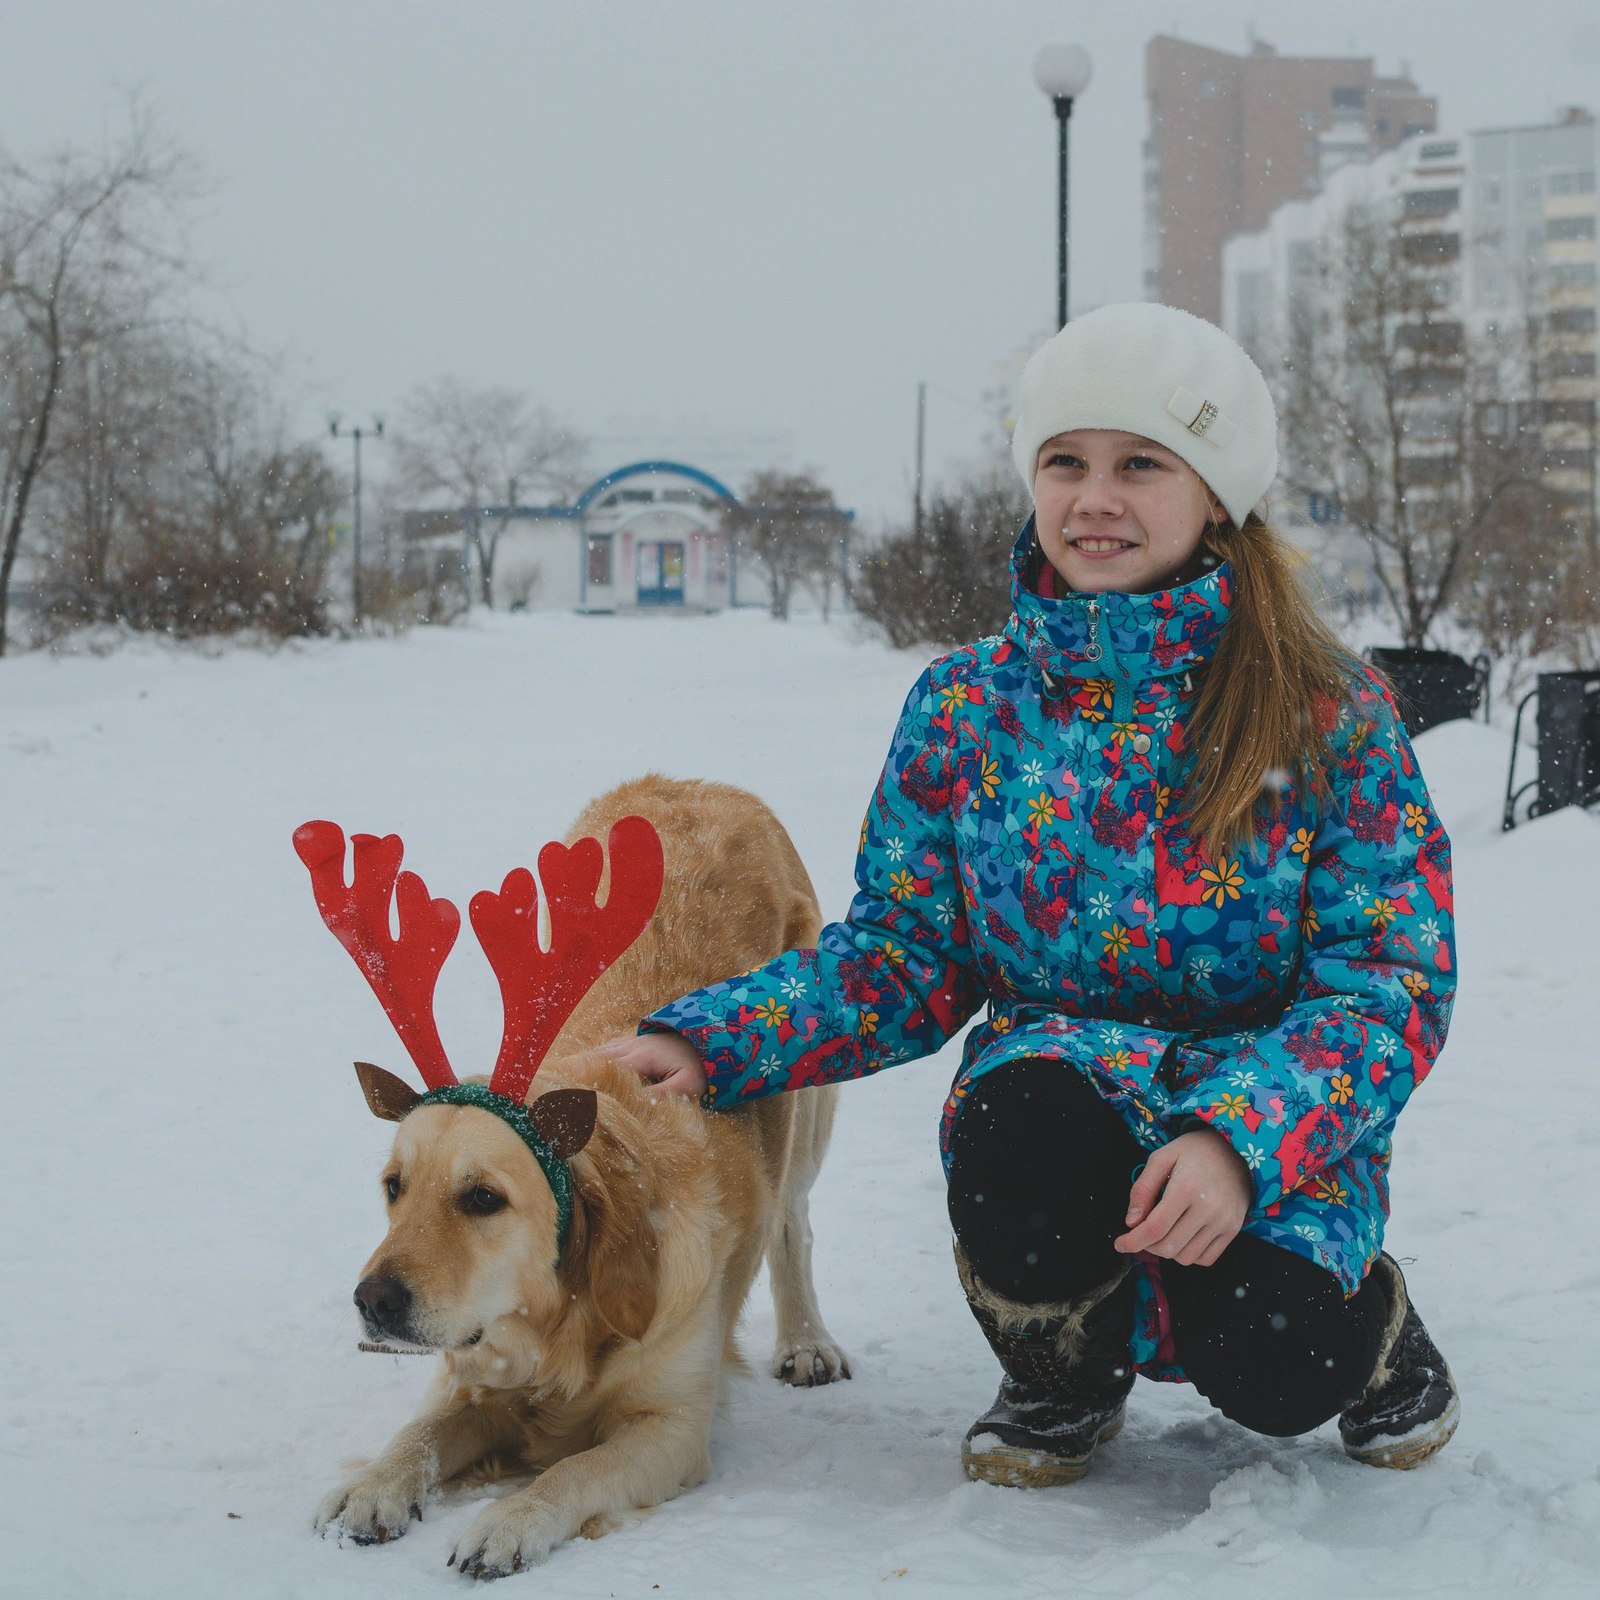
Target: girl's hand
(1189,1202)
(667,1060)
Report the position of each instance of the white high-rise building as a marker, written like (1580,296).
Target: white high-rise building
(1498,230)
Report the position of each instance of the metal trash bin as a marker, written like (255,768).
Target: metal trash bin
(1432,686)
(1568,729)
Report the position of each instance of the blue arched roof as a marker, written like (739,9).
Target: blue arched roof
(639,468)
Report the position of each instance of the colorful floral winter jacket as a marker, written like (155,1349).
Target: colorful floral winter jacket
(1023,850)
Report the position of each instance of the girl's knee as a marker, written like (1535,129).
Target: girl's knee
(1271,1340)
(1301,1408)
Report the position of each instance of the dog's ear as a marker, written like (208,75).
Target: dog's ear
(564,1119)
(388,1097)
(617,1253)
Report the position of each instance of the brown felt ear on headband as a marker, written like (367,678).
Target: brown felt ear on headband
(388,1097)
(564,1119)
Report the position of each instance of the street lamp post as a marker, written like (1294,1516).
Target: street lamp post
(1063,72)
(376,432)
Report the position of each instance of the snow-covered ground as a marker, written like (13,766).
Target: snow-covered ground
(189,1172)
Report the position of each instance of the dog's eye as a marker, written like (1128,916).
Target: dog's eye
(391,1187)
(482,1202)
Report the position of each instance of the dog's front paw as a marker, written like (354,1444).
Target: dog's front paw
(508,1536)
(807,1363)
(373,1507)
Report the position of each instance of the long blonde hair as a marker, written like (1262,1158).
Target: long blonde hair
(1265,708)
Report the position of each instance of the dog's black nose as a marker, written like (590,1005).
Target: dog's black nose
(384,1303)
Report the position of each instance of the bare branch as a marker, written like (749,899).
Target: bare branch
(89,244)
(471,448)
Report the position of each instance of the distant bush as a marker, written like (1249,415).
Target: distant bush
(417,594)
(226,543)
(950,583)
(189,598)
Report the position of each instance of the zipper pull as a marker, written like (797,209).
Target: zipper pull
(1093,651)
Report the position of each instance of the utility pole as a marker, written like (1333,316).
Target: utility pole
(376,432)
(916,500)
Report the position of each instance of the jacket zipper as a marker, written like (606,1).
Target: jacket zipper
(1100,650)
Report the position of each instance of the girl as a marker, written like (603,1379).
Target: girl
(1171,834)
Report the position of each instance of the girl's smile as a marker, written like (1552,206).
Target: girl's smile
(1117,511)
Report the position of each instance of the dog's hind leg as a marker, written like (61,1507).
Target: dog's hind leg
(806,1353)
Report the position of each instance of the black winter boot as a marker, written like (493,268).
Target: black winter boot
(1067,1373)
(1411,1406)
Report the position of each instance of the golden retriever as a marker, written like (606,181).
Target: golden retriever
(600,1373)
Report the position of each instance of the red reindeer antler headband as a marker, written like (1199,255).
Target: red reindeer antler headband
(540,988)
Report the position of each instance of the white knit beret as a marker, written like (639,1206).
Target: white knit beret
(1161,373)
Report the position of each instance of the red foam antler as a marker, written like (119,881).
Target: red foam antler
(403,970)
(541,988)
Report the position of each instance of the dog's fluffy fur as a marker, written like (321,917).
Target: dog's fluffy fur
(601,1373)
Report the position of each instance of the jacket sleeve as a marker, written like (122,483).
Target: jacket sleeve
(893,981)
(1376,982)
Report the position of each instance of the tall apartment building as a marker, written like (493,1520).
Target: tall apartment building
(1530,260)
(1501,225)
(1234,137)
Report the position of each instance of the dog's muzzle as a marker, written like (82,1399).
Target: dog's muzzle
(385,1307)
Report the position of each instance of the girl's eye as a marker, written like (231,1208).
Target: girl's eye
(1061,459)
(1142,462)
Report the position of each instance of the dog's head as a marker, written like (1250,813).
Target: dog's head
(472,1264)
(480,1260)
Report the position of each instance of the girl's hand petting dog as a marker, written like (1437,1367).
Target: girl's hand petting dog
(667,1060)
(1189,1202)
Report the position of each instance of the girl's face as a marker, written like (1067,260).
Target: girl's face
(1117,511)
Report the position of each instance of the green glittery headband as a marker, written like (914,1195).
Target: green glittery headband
(517,1118)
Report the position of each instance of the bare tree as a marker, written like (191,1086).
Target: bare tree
(1383,399)
(119,434)
(175,502)
(85,251)
(1531,584)
(788,525)
(477,447)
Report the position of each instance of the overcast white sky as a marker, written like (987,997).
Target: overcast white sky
(691,220)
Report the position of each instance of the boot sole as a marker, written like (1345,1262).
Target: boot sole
(1401,1455)
(1015,1467)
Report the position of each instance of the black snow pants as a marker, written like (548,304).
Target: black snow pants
(1039,1187)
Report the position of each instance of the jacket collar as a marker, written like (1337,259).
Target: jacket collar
(1133,636)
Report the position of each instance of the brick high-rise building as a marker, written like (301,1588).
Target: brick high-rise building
(1234,137)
